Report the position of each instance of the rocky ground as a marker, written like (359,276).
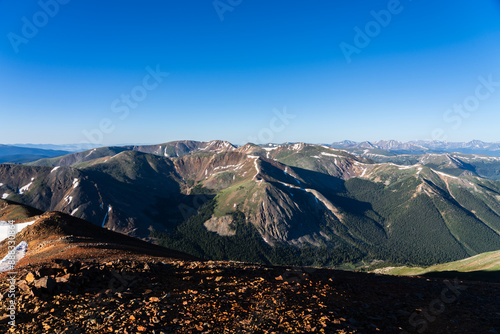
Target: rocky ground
(158,295)
(79,278)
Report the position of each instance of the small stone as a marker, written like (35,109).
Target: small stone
(30,277)
(46,282)
(23,286)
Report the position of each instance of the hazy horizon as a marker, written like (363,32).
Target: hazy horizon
(81,145)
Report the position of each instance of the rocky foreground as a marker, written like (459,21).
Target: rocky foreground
(158,295)
(79,278)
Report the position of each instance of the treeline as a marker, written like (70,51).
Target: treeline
(247,245)
(390,223)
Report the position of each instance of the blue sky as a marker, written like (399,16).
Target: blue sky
(234,65)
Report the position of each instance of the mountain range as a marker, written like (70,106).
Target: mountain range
(17,154)
(422,147)
(292,203)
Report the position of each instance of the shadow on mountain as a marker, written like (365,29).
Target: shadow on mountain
(10,210)
(320,181)
(481,275)
(334,189)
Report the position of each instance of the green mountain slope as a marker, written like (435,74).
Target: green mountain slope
(308,204)
(485,266)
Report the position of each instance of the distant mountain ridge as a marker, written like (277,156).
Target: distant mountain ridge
(61,147)
(422,147)
(17,154)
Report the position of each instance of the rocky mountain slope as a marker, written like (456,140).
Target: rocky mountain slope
(80,278)
(457,164)
(289,203)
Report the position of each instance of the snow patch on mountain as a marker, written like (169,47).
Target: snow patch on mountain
(6,227)
(68,199)
(331,155)
(106,216)
(9,261)
(92,151)
(24,189)
(445,175)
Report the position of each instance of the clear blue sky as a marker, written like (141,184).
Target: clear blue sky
(227,77)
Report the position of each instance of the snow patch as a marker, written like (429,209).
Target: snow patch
(228,166)
(25,188)
(5,227)
(445,175)
(92,151)
(106,216)
(74,211)
(76,182)
(68,199)
(55,168)
(9,261)
(286,173)
(5,195)
(331,155)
